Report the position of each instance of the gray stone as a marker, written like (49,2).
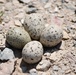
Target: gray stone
(6,54)
(70,6)
(44,1)
(33,72)
(47,5)
(55,68)
(43,65)
(47,54)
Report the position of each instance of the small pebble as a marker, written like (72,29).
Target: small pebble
(44,1)
(33,72)
(6,19)
(17,23)
(47,5)
(55,68)
(65,35)
(6,54)
(62,47)
(47,54)
(43,65)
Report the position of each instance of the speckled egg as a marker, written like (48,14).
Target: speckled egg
(34,24)
(32,52)
(17,37)
(51,36)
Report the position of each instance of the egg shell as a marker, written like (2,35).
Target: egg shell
(32,52)
(34,24)
(51,36)
(17,37)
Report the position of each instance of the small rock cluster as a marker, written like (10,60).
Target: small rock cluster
(34,25)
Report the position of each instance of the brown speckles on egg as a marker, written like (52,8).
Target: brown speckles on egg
(17,37)
(51,36)
(40,19)
(35,25)
(32,59)
(20,34)
(34,52)
(29,17)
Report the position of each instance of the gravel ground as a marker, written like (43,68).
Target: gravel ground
(60,60)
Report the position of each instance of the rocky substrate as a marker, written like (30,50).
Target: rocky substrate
(56,55)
